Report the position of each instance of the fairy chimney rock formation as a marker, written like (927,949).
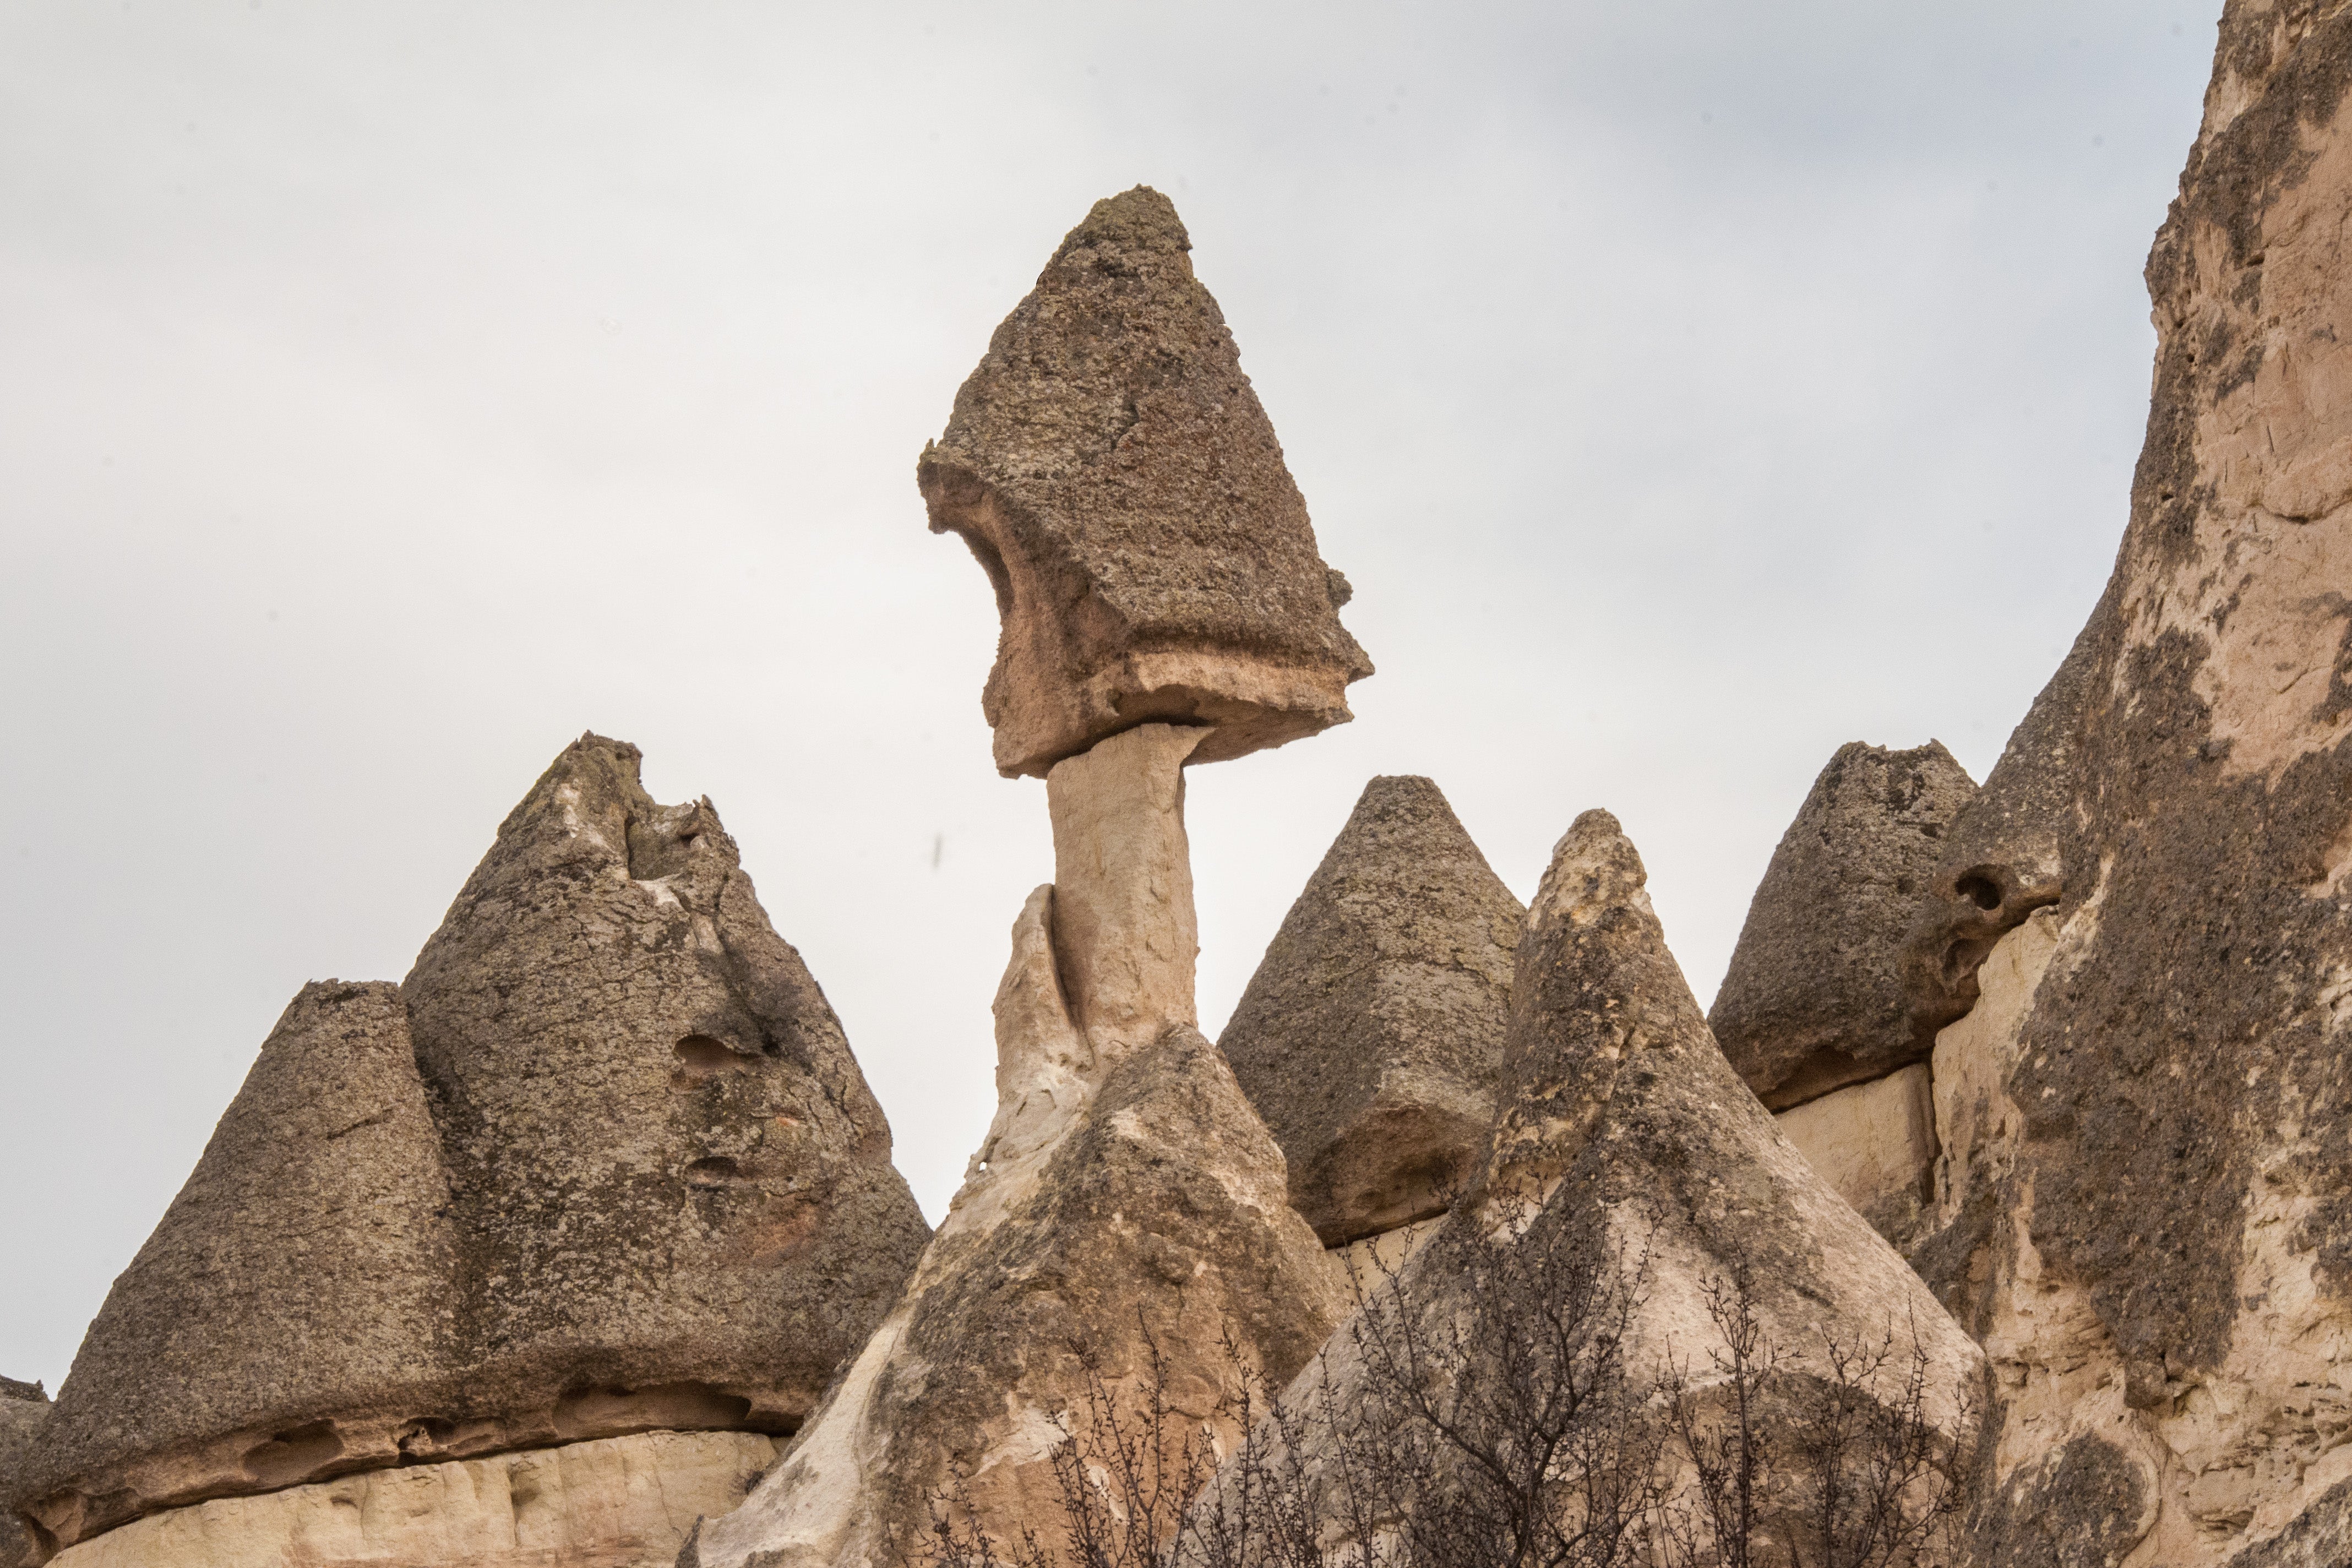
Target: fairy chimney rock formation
(600,1169)
(1813,998)
(675,1187)
(1124,1207)
(1625,1144)
(24,1411)
(1111,469)
(1370,1035)
(2138,942)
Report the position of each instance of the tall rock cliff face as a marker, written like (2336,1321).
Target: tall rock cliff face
(1371,1034)
(603,1166)
(1113,470)
(1127,1209)
(2146,1208)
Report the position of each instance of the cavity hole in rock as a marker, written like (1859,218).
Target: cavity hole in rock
(293,1455)
(715,1172)
(703,1056)
(1978,889)
(676,1407)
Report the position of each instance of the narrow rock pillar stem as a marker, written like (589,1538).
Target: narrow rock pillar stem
(1125,935)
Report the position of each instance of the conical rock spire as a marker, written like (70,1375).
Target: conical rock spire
(1370,1035)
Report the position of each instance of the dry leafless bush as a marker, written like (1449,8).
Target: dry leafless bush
(1511,1434)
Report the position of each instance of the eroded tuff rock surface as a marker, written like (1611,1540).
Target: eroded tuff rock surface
(1813,998)
(1622,1132)
(1371,1034)
(1111,467)
(24,1410)
(603,1164)
(612,1502)
(2152,1224)
(677,1206)
(1126,1190)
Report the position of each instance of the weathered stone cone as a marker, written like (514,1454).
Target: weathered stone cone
(1111,467)
(24,1410)
(2145,1206)
(603,1164)
(1813,1012)
(294,1313)
(1813,998)
(676,1197)
(1127,1196)
(1371,1034)
(1625,1136)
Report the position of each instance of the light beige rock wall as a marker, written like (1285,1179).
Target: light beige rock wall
(616,1502)
(1875,1144)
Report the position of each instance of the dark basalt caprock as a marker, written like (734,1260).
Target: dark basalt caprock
(1111,467)
(1372,1032)
(293,1313)
(1813,998)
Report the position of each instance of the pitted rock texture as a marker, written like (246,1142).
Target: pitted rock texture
(615,1502)
(2173,1201)
(674,1188)
(1143,1198)
(1112,469)
(1622,1124)
(1370,1035)
(293,1313)
(24,1411)
(603,1164)
(1814,997)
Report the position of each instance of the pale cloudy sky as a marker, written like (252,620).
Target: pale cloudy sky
(391,392)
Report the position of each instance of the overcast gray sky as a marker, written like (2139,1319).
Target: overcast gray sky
(391,392)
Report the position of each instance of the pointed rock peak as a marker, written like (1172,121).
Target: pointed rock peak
(1371,1034)
(264,1301)
(1814,997)
(1113,471)
(1125,232)
(607,1013)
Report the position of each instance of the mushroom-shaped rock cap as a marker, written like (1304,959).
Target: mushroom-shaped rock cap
(1112,469)
(1371,1034)
(1814,998)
